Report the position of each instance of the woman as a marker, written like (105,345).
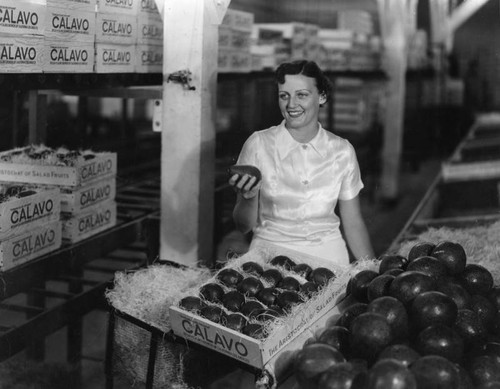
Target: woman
(306,172)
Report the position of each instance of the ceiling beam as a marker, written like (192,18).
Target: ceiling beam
(463,12)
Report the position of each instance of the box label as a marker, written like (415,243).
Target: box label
(149,59)
(104,164)
(18,17)
(83,198)
(99,167)
(29,245)
(148,7)
(27,212)
(21,54)
(119,29)
(75,57)
(66,25)
(149,30)
(90,222)
(225,341)
(115,58)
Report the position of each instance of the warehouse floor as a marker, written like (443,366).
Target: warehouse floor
(384,222)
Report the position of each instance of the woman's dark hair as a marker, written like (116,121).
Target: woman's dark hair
(308,69)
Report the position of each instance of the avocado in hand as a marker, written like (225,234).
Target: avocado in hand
(241,170)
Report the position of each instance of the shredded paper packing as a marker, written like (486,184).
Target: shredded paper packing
(481,244)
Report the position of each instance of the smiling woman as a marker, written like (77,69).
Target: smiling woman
(306,172)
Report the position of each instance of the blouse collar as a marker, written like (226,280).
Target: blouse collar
(286,144)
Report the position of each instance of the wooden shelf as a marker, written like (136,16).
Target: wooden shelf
(74,81)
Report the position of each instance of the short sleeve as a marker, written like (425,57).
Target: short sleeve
(351,182)
(249,151)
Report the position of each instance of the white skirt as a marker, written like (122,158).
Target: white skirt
(334,250)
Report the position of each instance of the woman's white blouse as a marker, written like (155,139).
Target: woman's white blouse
(301,183)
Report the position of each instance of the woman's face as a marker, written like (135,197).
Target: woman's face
(299,101)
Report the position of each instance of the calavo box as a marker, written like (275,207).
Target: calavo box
(247,349)
(31,244)
(70,25)
(94,220)
(79,199)
(28,209)
(68,57)
(22,17)
(21,54)
(288,335)
(113,58)
(81,172)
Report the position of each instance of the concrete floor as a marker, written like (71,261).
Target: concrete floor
(384,222)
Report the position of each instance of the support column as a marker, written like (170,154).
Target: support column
(188,130)
(395,19)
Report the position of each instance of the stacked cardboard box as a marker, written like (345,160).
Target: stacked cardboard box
(70,28)
(116,36)
(274,43)
(235,34)
(129,37)
(356,20)
(356,107)
(88,209)
(343,49)
(149,48)
(22,24)
(80,36)
(29,223)
(289,39)
(84,180)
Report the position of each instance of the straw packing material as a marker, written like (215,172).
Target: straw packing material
(148,293)
(481,244)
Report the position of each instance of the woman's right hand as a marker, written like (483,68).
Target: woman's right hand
(246,185)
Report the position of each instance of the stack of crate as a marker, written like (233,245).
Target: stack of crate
(116,36)
(289,39)
(22,25)
(235,41)
(335,44)
(80,36)
(29,223)
(85,182)
(345,49)
(69,36)
(358,21)
(89,208)
(149,48)
(129,37)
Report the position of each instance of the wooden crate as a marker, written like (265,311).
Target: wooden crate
(83,225)
(37,207)
(29,245)
(103,165)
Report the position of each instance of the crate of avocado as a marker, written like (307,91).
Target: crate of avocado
(24,207)
(39,164)
(425,316)
(89,222)
(261,305)
(29,223)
